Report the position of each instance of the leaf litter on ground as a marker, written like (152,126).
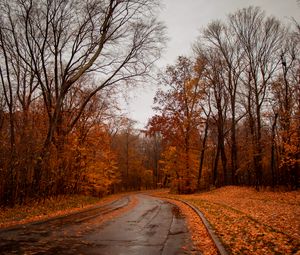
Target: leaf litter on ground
(251,222)
(51,207)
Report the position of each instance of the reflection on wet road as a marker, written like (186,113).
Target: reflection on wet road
(153,226)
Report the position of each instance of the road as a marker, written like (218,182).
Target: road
(152,226)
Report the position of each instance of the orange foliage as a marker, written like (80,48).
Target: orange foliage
(251,222)
(179,121)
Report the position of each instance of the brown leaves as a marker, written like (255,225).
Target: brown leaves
(49,208)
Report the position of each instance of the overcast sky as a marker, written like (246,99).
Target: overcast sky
(184,20)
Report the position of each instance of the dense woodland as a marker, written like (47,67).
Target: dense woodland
(230,114)
(62,65)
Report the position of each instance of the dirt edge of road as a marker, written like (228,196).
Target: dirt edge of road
(64,213)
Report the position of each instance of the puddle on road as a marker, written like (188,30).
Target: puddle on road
(152,229)
(177,213)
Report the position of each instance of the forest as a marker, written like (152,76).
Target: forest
(230,115)
(227,115)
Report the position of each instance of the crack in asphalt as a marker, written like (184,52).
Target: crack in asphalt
(158,207)
(167,237)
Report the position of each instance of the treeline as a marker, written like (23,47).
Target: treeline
(231,114)
(61,63)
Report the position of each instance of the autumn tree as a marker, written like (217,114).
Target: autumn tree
(178,120)
(48,48)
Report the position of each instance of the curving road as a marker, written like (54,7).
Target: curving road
(153,226)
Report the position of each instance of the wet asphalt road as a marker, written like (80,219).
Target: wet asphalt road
(153,226)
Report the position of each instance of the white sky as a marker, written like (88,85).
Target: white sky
(184,20)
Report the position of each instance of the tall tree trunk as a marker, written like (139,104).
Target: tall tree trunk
(273,161)
(202,154)
(224,161)
(233,146)
(215,167)
(258,146)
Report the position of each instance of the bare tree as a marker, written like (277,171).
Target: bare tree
(215,79)
(207,114)
(54,44)
(222,38)
(261,39)
(285,90)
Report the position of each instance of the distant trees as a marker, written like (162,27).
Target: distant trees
(49,52)
(248,104)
